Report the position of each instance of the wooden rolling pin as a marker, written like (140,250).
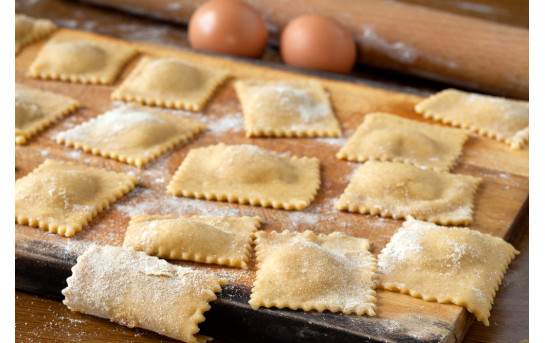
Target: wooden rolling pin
(464,51)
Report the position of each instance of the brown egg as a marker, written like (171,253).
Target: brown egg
(317,42)
(228,26)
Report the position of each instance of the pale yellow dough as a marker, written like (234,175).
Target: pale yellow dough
(35,110)
(446,265)
(387,137)
(247,174)
(29,30)
(286,109)
(170,83)
(398,190)
(76,58)
(499,118)
(131,135)
(307,271)
(207,239)
(137,290)
(62,197)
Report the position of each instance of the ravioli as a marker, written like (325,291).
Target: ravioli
(386,137)
(29,30)
(207,239)
(446,265)
(498,118)
(136,290)
(35,110)
(247,174)
(170,83)
(62,197)
(131,135)
(286,109)
(77,58)
(398,190)
(309,271)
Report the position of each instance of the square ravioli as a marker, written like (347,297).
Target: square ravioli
(62,197)
(137,290)
(307,271)
(446,265)
(499,118)
(170,83)
(35,110)
(286,109)
(29,30)
(207,239)
(387,137)
(398,190)
(247,174)
(131,135)
(78,58)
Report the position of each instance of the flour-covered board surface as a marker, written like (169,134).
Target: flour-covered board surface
(502,194)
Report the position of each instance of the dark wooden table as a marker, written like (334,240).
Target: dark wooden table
(44,320)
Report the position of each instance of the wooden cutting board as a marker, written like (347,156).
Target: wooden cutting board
(43,260)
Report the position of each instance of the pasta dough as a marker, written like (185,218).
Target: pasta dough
(136,290)
(247,174)
(445,264)
(74,58)
(62,197)
(334,272)
(286,109)
(499,118)
(35,110)
(218,240)
(29,30)
(398,190)
(386,137)
(170,83)
(131,135)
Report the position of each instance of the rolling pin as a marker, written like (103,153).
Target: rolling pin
(464,51)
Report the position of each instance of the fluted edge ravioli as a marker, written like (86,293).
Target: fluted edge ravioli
(445,265)
(81,58)
(386,137)
(309,271)
(131,135)
(137,290)
(35,110)
(498,118)
(208,239)
(283,108)
(170,83)
(62,197)
(247,174)
(398,190)
(29,30)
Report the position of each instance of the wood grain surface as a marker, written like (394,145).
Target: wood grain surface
(462,50)
(499,200)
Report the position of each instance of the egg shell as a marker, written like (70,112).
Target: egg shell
(318,42)
(230,27)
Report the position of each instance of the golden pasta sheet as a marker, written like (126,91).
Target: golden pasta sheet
(131,135)
(35,110)
(398,190)
(307,271)
(387,137)
(137,290)
(499,118)
(286,109)
(170,83)
(28,30)
(446,265)
(78,58)
(62,197)
(207,239)
(247,174)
